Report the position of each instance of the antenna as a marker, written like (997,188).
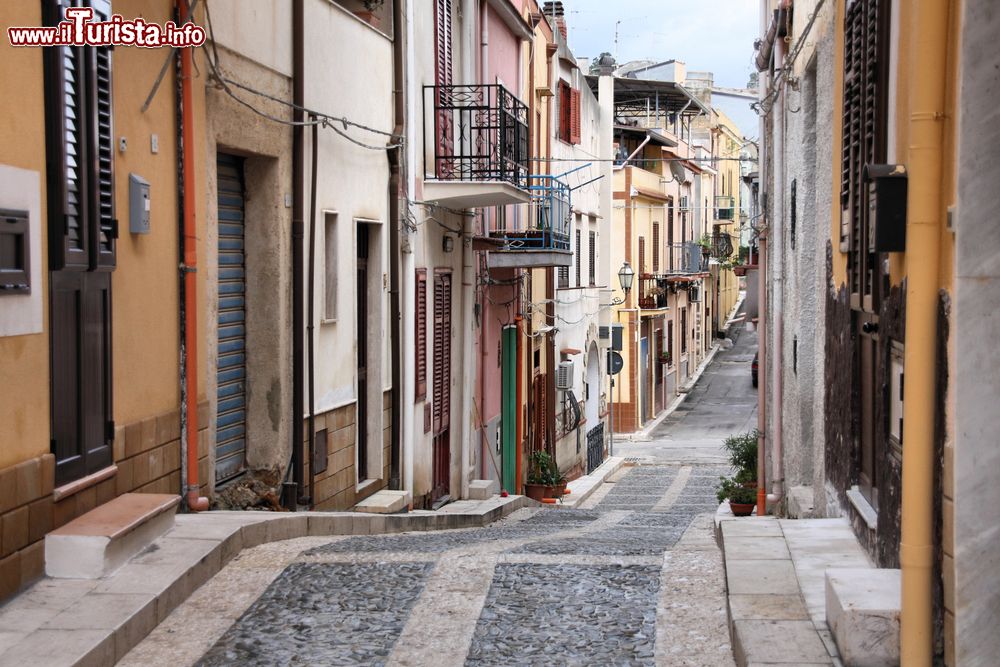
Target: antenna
(617,23)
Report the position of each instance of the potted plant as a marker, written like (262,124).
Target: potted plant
(665,358)
(742,499)
(544,478)
(368,14)
(742,450)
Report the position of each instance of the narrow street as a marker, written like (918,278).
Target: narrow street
(632,577)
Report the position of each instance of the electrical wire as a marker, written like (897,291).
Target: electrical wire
(764,106)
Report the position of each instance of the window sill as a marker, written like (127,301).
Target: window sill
(74,487)
(363,485)
(863,507)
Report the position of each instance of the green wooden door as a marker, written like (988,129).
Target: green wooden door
(508,412)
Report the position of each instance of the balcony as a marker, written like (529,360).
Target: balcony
(653,292)
(475,146)
(684,259)
(725,208)
(544,239)
(721,246)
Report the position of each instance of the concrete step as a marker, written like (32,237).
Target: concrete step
(483,489)
(862,610)
(384,502)
(102,540)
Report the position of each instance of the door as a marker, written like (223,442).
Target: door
(82,429)
(361,284)
(866,355)
(658,369)
(644,374)
(231,372)
(508,410)
(441,410)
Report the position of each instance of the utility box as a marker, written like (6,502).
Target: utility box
(887,191)
(616,337)
(138,204)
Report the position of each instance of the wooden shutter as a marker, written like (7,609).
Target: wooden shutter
(421,334)
(443,122)
(656,247)
(565,112)
(863,139)
(592,267)
(441,416)
(579,259)
(443,41)
(574,116)
(79,149)
(641,269)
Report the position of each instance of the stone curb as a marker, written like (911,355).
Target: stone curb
(581,488)
(768,620)
(57,625)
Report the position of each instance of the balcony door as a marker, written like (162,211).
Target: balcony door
(441,406)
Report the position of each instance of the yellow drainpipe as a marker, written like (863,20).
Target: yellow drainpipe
(928,63)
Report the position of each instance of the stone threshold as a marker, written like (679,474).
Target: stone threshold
(70,622)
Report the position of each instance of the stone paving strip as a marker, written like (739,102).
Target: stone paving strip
(96,622)
(618,582)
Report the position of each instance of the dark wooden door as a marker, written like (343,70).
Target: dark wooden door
(866,357)
(82,427)
(441,410)
(361,427)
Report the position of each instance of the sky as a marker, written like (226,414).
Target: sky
(707,35)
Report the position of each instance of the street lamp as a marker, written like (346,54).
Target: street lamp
(625,277)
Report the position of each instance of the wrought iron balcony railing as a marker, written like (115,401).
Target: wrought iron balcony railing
(475,133)
(549,220)
(685,258)
(722,246)
(653,291)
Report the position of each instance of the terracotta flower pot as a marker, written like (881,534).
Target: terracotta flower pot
(741,509)
(536,491)
(557,490)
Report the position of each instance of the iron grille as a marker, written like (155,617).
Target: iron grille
(595,447)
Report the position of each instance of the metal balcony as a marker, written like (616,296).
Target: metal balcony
(685,259)
(475,146)
(722,246)
(542,238)
(653,292)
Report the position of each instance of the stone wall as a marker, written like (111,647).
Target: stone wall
(147,458)
(336,487)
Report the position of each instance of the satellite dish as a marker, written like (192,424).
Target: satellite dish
(678,171)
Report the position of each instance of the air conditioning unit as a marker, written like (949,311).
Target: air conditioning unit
(564,375)
(694,294)
(684,203)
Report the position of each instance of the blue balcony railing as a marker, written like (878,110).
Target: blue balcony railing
(549,220)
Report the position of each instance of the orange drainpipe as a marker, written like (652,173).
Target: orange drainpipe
(195,502)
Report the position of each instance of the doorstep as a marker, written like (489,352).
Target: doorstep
(777,573)
(94,622)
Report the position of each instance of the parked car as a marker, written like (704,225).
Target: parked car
(753,369)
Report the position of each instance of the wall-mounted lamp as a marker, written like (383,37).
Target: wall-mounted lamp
(625,277)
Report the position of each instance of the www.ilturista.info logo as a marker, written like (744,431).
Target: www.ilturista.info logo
(79,29)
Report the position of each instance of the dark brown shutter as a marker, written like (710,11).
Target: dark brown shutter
(421,334)
(592,268)
(565,112)
(641,269)
(863,140)
(80,149)
(442,36)
(579,259)
(444,128)
(656,247)
(574,116)
(442,352)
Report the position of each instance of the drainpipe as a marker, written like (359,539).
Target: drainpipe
(916,550)
(395,156)
(195,502)
(762,297)
(298,206)
(409,271)
(311,315)
(635,152)
(776,227)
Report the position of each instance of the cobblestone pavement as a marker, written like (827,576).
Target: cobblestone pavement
(632,578)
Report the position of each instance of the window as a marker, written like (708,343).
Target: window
(569,114)
(330,267)
(579,256)
(656,247)
(563,276)
(670,234)
(420,305)
(684,333)
(642,256)
(79,143)
(670,340)
(863,139)
(592,266)
(15,272)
